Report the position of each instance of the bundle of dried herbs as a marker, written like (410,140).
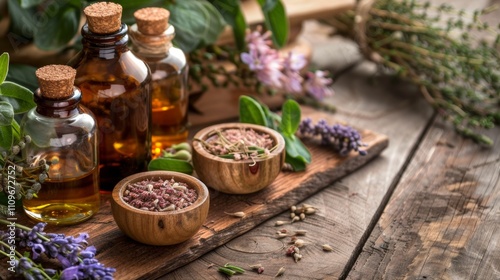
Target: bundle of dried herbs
(436,49)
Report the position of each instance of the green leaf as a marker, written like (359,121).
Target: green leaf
(6,114)
(290,117)
(296,149)
(30,3)
(60,28)
(23,75)
(4,66)
(297,164)
(18,96)
(231,11)
(171,165)
(276,20)
(23,23)
(197,24)
(6,137)
(129,8)
(251,111)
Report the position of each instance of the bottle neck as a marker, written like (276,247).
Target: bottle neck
(105,44)
(60,108)
(153,45)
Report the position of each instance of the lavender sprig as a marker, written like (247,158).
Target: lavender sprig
(343,139)
(76,258)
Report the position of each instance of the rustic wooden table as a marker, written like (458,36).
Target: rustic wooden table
(426,208)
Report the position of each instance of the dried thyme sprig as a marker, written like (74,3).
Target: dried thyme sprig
(457,75)
(25,176)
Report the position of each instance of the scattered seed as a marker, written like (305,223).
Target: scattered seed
(295,219)
(283,230)
(293,208)
(300,232)
(281,271)
(302,216)
(292,215)
(257,267)
(279,223)
(236,214)
(297,257)
(310,211)
(304,205)
(327,248)
(293,239)
(281,235)
(299,243)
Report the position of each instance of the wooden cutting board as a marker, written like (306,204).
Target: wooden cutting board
(133,260)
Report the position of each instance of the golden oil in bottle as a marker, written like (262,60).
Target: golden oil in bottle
(64,136)
(152,37)
(116,87)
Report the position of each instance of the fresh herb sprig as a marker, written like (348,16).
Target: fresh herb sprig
(25,177)
(458,75)
(251,111)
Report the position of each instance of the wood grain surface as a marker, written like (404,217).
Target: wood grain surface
(442,221)
(133,260)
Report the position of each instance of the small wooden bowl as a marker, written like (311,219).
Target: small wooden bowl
(160,228)
(242,176)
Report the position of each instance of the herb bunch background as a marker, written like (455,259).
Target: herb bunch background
(433,48)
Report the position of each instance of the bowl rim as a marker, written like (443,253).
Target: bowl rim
(117,193)
(277,137)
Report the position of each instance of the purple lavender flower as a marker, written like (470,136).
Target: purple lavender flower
(76,258)
(317,85)
(343,139)
(258,41)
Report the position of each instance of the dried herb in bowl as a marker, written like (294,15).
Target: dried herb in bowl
(238,143)
(159,195)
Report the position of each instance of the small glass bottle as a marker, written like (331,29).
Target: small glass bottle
(151,38)
(115,85)
(64,135)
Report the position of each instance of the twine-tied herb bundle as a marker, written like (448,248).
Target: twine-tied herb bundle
(434,48)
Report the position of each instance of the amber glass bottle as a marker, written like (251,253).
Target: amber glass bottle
(152,41)
(64,135)
(115,85)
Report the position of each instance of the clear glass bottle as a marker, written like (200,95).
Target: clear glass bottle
(115,85)
(64,135)
(151,38)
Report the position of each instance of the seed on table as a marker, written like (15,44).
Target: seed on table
(293,208)
(279,223)
(299,243)
(292,215)
(280,235)
(297,257)
(310,211)
(295,219)
(281,271)
(300,232)
(327,248)
(236,214)
(302,216)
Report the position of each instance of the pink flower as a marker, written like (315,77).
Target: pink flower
(271,74)
(317,85)
(258,41)
(295,61)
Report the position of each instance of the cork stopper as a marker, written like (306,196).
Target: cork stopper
(56,81)
(104,17)
(152,21)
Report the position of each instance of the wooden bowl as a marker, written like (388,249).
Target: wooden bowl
(242,176)
(160,228)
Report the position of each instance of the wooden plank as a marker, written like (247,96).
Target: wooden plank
(345,208)
(136,261)
(442,221)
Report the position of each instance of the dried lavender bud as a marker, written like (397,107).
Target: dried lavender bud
(159,195)
(327,248)
(343,139)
